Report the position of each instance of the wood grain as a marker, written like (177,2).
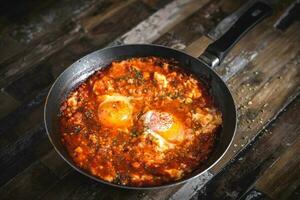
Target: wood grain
(41,73)
(30,184)
(21,130)
(54,162)
(290,60)
(283,177)
(197,47)
(258,99)
(261,85)
(193,27)
(7,104)
(70,184)
(55,64)
(161,21)
(255,194)
(24,23)
(42,34)
(65,31)
(263,152)
(17,156)
(92,21)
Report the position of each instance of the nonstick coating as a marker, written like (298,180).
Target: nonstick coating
(87,65)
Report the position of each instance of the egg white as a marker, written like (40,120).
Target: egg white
(162,143)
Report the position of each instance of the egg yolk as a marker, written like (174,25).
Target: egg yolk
(115,114)
(166,125)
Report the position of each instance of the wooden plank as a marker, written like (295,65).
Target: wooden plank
(112,25)
(160,22)
(36,20)
(195,26)
(190,189)
(267,35)
(7,125)
(7,104)
(289,16)
(290,60)
(43,74)
(240,174)
(198,46)
(283,177)
(25,110)
(14,127)
(24,23)
(17,156)
(65,29)
(264,51)
(25,138)
(92,21)
(295,194)
(99,35)
(70,183)
(78,187)
(254,194)
(245,52)
(227,22)
(56,164)
(30,184)
(28,86)
(257,95)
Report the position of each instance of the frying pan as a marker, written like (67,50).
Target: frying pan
(201,67)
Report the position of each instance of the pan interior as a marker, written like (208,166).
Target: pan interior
(87,65)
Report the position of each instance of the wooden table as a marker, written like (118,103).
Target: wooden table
(39,39)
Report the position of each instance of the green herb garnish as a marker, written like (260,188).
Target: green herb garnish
(134,133)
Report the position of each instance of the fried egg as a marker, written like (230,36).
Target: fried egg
(164,127)
(115,111)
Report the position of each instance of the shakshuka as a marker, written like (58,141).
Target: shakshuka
(140,122)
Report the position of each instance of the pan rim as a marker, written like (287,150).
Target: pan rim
(167,185)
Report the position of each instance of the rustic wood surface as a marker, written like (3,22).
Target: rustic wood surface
(39,39)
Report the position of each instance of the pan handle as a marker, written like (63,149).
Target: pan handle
(216,51)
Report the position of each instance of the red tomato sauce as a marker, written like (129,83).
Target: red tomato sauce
(139,122)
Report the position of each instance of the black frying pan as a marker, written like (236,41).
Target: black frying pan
(200,67)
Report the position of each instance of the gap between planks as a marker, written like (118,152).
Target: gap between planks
(71,31)
(160,22)
(273,79)
(255,159)
(283,177)
(257,105)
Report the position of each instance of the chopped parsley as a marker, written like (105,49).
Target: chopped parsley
(138,74)
(134,133)
(77,129)
(117,179)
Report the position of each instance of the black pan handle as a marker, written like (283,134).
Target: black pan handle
(216,51)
